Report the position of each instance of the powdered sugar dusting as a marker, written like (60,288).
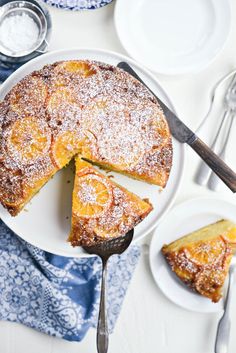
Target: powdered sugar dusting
(87,193)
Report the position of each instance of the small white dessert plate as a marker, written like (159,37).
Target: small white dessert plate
(181,220)
(46,224)
(173,37)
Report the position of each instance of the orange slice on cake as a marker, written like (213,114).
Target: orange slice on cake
(93,196)
(114,144)
(30,97)
(28,139)
(65,145)
(82,68)
(60,100)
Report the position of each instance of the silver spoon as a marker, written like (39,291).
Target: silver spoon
(105,250)
(223,329)
(204,171)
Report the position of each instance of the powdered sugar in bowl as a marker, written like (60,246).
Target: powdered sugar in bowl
(23,28)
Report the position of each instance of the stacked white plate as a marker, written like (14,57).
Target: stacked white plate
(173,36)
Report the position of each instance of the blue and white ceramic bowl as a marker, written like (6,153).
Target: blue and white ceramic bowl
(77,5)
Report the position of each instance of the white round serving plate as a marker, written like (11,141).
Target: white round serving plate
(45,222)
(173,37)
(181,220)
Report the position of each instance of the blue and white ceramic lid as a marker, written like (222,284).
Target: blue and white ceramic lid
(76,5)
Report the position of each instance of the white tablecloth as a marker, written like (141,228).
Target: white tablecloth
(149,323)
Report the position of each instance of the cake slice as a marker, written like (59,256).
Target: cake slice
(202,259)
(102,209)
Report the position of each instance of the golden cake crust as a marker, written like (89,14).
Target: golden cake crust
(201,259)
(85,107)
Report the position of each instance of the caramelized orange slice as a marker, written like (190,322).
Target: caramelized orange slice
(93,196)
(29,97)
(158,131)
(82,68)
(115,143)
(206,253)
(111,147)
(57,101)
(65,146)
(28,139)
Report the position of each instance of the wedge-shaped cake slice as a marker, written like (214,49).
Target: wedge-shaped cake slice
(202,258)
(102,209)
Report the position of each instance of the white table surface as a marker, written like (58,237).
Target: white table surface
(148,322)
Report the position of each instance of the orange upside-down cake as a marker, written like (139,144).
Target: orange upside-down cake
(202,259)
(84,108)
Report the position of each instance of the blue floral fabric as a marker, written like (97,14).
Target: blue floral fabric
(58,295)
(78,4)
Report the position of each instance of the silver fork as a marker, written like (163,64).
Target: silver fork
(223,329)
(204,171)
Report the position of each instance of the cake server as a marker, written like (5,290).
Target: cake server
(105,250)
(184,135)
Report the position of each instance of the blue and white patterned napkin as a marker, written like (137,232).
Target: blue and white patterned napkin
(6,70)
(58,295)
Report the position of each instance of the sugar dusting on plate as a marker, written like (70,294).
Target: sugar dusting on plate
(19,33)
